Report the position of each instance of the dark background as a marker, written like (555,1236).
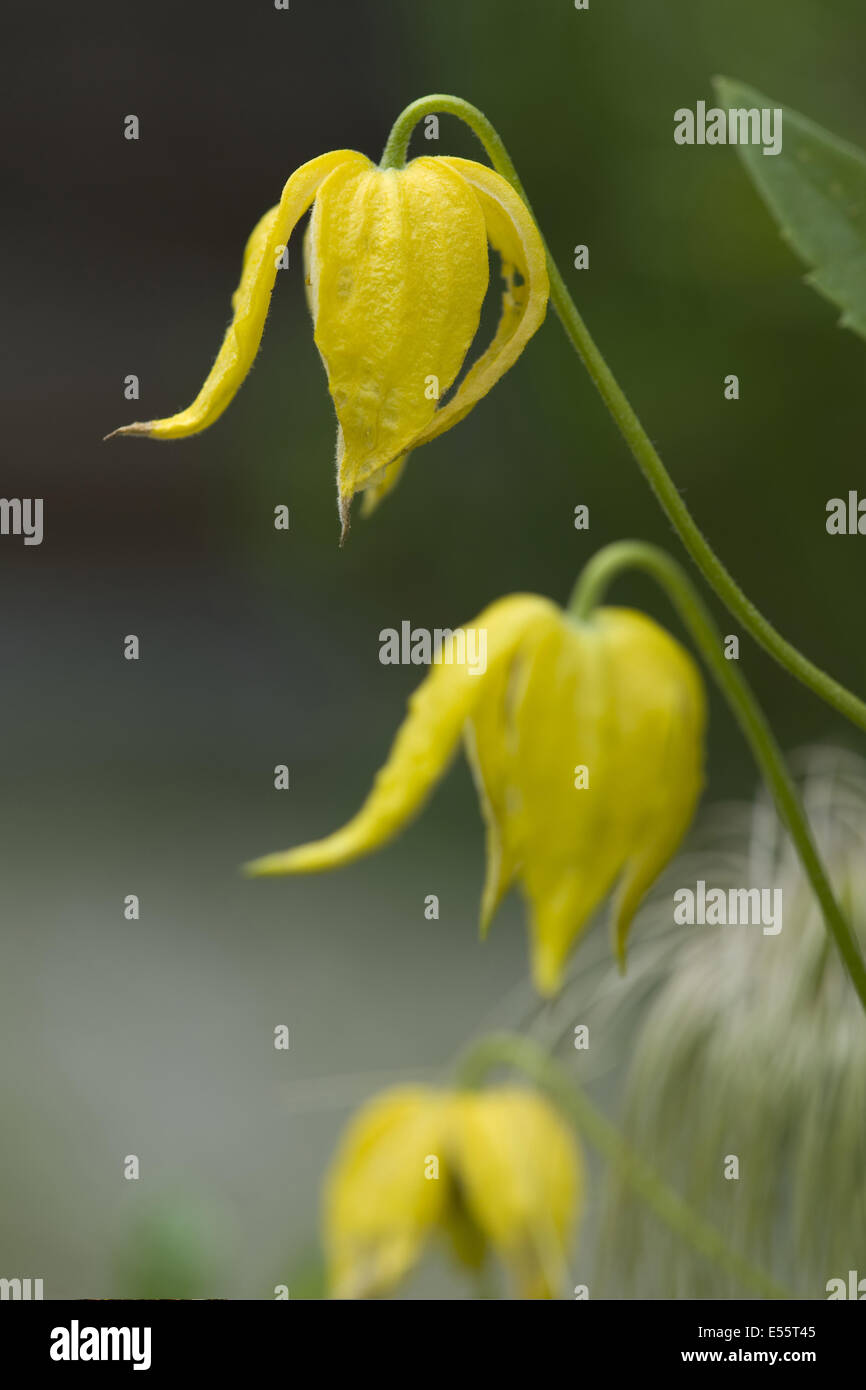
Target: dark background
(260,647)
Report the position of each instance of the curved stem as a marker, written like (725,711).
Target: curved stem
(508,1049)
(594,580)
(639,442)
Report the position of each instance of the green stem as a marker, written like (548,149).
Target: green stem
(510,1050)
(647,457)
(592,584)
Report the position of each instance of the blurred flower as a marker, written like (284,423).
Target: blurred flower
(586,744)
(495,1169)
(397,270)
(754,1047)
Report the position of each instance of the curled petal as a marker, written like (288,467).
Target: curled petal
(513,233)
(250,301)
(423,748)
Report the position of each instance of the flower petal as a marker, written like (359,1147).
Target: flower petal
(513,233)
(673,788)
(620,698)
(398,270)
(520,1176)
(250,301)
(379,1203)
(560,834)
(491,743)
(423,748)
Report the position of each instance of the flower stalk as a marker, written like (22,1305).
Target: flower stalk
(644,452)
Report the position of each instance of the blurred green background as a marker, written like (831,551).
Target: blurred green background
(260,647)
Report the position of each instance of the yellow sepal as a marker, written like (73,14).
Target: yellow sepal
(398,272)
(250,301)
(586,744)
(513,233)
(379,1202)
(605,774)
(423,748)
(494,1169)
(491,741)
(521,1182)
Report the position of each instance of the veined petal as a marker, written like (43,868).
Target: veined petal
(513,233)
(251,300)
(389,477)
(423,748)
(618,698)
(562,833)
(520,1176)
(673,758)
(379,1203)
(491,743)
(398,270)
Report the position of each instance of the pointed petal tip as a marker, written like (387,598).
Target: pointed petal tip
(344,506)
(140,427)
(268,866)
(490,901)
(546,976)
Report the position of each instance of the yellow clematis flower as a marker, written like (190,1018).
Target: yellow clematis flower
(397,269)
(495,1169)
(585,739)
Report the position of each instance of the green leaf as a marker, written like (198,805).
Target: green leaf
(816,190)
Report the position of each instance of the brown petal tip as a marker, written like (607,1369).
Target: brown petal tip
(345,507)
(140,427)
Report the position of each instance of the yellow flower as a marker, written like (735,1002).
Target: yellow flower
(397,270)
(586,744)
(491,1169)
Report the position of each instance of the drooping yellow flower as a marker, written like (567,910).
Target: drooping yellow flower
(495,1169)
(397,270)
(586,743)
